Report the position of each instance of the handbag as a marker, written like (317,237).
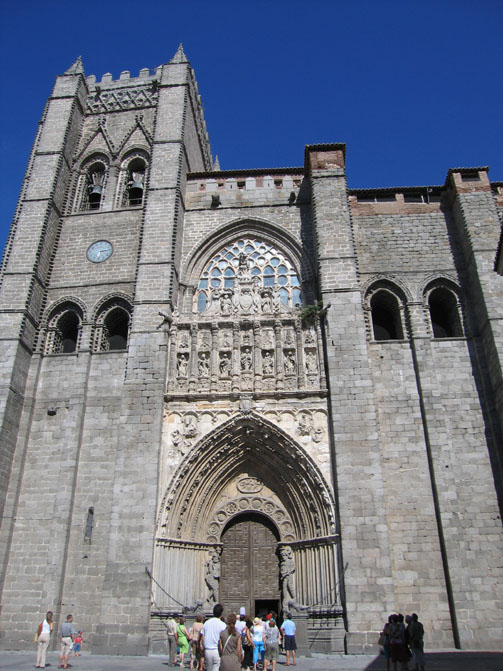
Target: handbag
(383,639)
(38,632)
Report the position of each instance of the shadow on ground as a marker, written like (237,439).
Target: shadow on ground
(450,661)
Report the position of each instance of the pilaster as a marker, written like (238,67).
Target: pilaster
(27,261)
(358,479)
(477,227)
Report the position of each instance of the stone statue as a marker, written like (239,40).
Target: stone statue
(266,301)
(213,575)
(182,365)
(244,267)
(246,359)
(268,364)
(225,364)
(287,576)
(203,365)
(194,609)
(225,304)
(289,362)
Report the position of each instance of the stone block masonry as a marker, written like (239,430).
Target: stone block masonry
(264,354)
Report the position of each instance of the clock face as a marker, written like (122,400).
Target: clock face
(99,251)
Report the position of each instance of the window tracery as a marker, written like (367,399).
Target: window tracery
(248,274)
(64,329)
(112,326)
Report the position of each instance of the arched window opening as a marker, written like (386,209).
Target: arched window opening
(94,186)
(135,182)
(444,314)
(63,331)
(116,328)
(386,321)
(68,327)
(111,331)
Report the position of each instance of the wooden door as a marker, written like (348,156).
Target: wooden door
(249,565)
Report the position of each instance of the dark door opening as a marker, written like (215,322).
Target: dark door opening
(264,606)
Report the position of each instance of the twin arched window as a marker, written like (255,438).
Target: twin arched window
(387,309)
(129,187)
(110,331)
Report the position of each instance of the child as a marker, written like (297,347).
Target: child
(77,644)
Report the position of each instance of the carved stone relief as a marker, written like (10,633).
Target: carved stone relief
(121,99)
(246,503)
(185,431)
(306,427)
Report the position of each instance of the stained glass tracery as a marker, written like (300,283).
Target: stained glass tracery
(265,262)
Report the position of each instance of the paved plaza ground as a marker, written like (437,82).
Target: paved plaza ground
(435,661)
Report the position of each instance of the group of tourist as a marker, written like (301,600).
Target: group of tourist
(232,644)
(71,640)
(401,643)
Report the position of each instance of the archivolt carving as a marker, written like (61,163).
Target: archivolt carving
(246,444)
(255,503)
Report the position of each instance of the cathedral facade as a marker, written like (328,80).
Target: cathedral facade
(257,387)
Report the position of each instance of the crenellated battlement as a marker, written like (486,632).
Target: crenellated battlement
(145,76)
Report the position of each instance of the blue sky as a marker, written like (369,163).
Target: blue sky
(413,88)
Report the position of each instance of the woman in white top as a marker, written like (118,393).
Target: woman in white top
(44,636)
(258,633)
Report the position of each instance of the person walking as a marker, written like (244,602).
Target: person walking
(247,645)
(43,637)
(171,626)
(271,640)
(288,630)
(258,632)
(210,637)
(67,632)
(230,646)
(197,659)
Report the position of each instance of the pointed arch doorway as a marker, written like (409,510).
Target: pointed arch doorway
(250,565)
